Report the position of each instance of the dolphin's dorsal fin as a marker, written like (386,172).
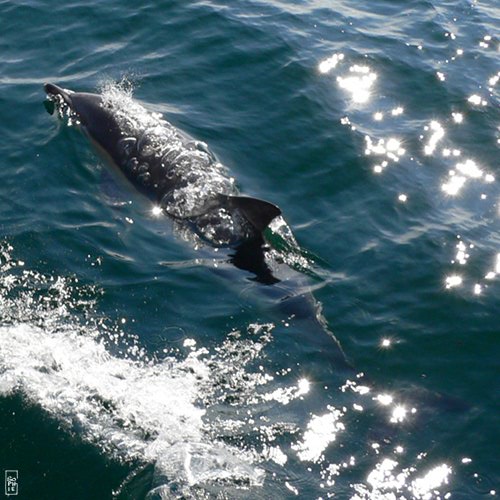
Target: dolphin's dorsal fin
(258,212)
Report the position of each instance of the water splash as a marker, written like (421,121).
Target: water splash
(210,422)
(132,407)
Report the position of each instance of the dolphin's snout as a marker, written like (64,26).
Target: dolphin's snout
(54,90)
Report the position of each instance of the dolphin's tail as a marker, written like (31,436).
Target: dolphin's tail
(54,90)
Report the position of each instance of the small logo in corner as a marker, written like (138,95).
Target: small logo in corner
(11,486)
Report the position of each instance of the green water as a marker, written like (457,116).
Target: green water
(374,127)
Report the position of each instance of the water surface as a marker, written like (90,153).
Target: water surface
(134,365)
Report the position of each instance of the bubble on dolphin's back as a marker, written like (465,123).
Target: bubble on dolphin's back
(200,177)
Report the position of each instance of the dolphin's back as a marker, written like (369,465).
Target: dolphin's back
(178,173)
(97,119)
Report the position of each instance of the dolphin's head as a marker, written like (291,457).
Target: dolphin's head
(89,112)
(85,108)
(58,98)
(53,90)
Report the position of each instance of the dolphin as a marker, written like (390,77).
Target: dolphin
(187,182)
(179,174)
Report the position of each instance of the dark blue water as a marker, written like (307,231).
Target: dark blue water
(135,365)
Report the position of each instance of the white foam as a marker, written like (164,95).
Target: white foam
(129,409)
(129,406)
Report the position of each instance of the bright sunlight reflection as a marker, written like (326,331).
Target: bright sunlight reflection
(384,399)
(435,478)
(398,414)
(436,135)
(497,264)
(461,173)
(358,83)
(387,481)
(303,386)
(391,148)
(327,65)
(286,394)
(453,281)
(321,431)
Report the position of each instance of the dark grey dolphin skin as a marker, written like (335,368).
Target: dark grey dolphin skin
(163,166)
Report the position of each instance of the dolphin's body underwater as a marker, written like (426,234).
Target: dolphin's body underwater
(177,173)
